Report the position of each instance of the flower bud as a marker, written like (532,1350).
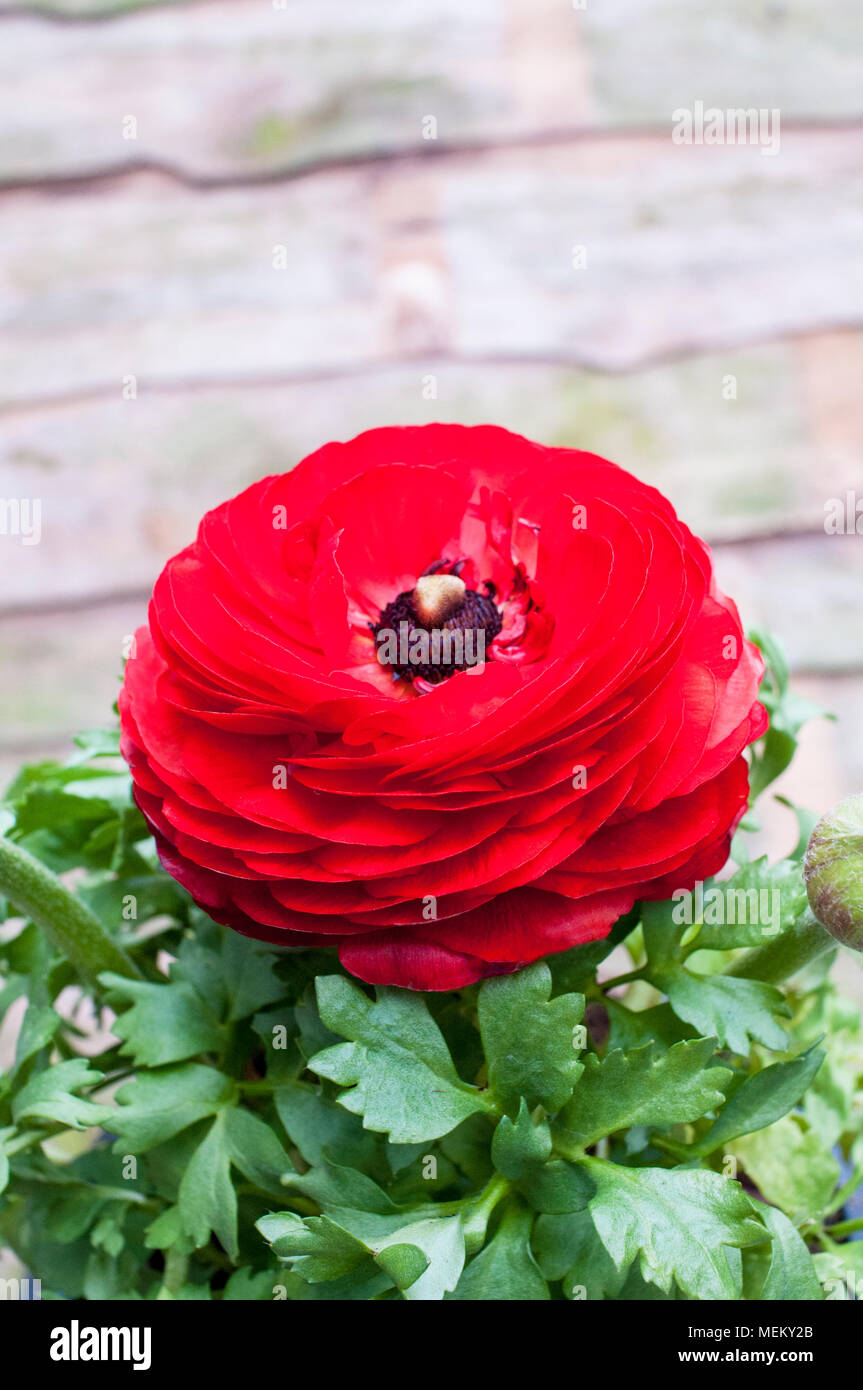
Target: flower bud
(833,870)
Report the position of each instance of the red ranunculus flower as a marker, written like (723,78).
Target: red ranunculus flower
(317,772)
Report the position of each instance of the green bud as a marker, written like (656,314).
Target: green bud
(833,870)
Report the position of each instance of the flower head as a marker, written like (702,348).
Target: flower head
(559,734)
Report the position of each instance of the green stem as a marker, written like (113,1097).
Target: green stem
(119,1194)
(233,1059)
(626,979)
(847,1190)
(176,1269)
(844,1228)
(786,955)
(38,894)
(25,1141)
(491,1194)
(475,1212)
(682,1152)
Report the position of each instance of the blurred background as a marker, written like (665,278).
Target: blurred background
(234,229)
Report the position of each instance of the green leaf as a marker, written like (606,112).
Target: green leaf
(166,1232)
(38,1027)
(576,968)
(333,1186)
(255,1150)
(277,1029)
(313,1035)
(788,713)
(631,1028)
(157,1105)
(70,1214)
(777,671)
(645,1087)
(108,1233)
(530,1039)
(558,1187)
(403,1263)
(207,1200)
(95,743)
(397,1062)
(830,1101)
(153,894)
(423,1258)
(569,1248)
(468,1148)
(678,1221)
(47,807)
(725,1007)
(400,1157)
(440,1241)
(166,1023)
(840,1272)
(6,1135)
(790,1167)
(791,1274)
(313,1122)
(761,1100)
(663,934)
(316,1248)
(200,963)
(249,975)
(505,1269)
(251,1285)
(519,1145)
(754,906)
(49,1095)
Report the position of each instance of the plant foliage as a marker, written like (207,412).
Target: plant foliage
(236,1122)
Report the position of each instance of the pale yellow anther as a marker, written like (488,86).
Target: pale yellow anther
(437,596)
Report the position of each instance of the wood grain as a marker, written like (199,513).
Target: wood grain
(685,250)
(236,88)
(123,483)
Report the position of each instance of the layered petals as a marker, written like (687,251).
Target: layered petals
(440,830)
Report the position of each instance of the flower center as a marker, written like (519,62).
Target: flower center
(437,628)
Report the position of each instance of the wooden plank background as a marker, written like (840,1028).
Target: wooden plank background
(232,229)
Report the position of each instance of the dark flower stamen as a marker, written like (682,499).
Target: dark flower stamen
(459,626)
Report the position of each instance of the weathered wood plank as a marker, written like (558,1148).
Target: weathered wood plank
(231,87)
(470,255)
(648,57)
(808,589)
(86,10)
(66,677)
(122,483)
(89,10)
(828,763)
